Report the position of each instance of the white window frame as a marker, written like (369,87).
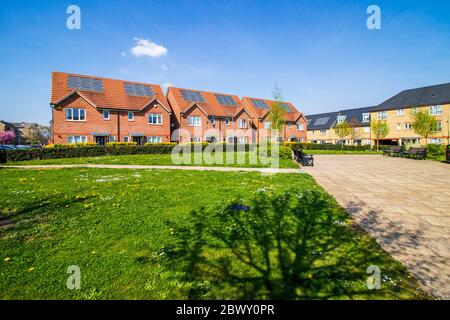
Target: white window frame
(194,121)
(108,113)
(407,126)
(212,119)
(438,127)
(227,121)
(79,114)
(126,139)
(241,140)
(382,115)
(366,129)
(365,117)
(128,116)
(267,124)
(72,139)
(436,110)
(154,139)
(400,112)
(242,123)
(341,118)
(155,116)
(435,140)
(399,127)
(300,126)
(196,139)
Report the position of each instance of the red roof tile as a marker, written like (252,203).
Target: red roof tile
(112,97)
(261,113)
(210,106)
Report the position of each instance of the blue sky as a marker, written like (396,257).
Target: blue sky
(320,53)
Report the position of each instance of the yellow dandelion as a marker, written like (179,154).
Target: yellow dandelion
(31,269)
(7,259)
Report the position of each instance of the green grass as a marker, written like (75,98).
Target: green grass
(113,225)
(166,160)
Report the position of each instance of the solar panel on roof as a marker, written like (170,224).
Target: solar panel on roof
(192,96)
(225,100)
(136,89)
(286,107)
(321,121)
(260,104)
(84,83)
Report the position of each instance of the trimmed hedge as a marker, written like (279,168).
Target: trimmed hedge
(91,150)
(88,150)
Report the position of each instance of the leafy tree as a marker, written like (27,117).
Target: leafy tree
(354,133)
(7,137)
(342,130)
(423,123)
(36,134)
(380,129)
(276,113)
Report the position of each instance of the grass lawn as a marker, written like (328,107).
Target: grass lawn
(166,160)
(117,227)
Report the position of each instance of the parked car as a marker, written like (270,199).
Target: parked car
(7,147)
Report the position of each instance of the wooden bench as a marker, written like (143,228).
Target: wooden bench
(303,158)
(395,151)
(415,153)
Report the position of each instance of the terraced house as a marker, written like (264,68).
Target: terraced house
(208,116)
(321,127)
(295,122)
(398,111)
(99,110)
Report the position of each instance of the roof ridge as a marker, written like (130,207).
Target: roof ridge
(104,78)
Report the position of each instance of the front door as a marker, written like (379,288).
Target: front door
(138,140)
(100,141)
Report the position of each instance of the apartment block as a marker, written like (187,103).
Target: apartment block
(321,127)
(398,112)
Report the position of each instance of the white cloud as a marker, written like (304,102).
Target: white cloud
(164,67)
(148,48)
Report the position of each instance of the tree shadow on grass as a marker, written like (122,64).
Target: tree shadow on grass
(294,245)
(26,216)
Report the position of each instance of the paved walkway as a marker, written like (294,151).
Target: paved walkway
(119,166)
(403,203)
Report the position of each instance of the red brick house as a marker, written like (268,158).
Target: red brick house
(94,109)
(209,116)
(295,122)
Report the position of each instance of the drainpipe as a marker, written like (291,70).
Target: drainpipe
(118,126)
(53,123)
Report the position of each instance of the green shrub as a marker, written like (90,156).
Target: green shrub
(113,144)
(435,151)
(285,152)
